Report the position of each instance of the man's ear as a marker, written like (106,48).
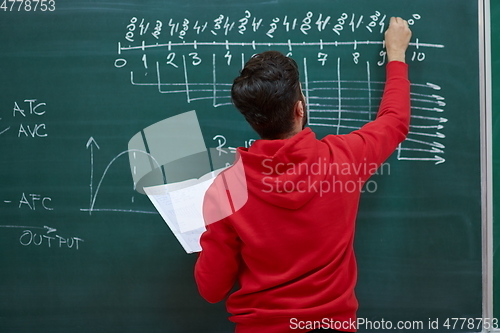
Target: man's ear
(299,109)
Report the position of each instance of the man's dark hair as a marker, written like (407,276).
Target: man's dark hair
(265,93)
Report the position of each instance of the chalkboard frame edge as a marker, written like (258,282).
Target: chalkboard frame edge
(487,156)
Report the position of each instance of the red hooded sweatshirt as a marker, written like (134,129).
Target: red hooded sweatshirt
(284,231)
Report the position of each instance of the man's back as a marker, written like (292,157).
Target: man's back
(289,246)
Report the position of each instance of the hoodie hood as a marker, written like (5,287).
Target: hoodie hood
(285,173)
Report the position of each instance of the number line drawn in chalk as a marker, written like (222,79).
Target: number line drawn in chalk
(94,193)
(254,44)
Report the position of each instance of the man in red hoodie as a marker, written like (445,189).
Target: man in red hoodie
(281,221)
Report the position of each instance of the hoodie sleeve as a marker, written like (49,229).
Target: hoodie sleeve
(218,263)
(377,140)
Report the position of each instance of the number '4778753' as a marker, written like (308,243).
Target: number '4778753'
(28,5)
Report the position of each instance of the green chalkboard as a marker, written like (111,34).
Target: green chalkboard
(83,251)
(495,64)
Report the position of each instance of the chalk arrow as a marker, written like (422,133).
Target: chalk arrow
(439,159)
(90,141)
(439,98)
(439,127)
(49,229)
(427,109)
(436,158)
(433,150)
(437,134)
(440,119)
(435,144)
(433,86)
